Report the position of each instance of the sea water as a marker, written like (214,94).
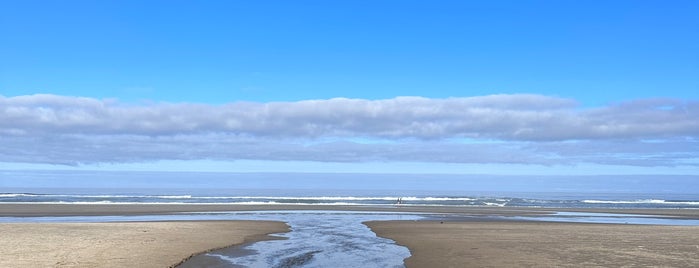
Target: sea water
(346,197)
(122,187)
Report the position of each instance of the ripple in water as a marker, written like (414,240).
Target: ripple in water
(317,239)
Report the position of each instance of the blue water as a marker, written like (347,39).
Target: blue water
(349,197)
(620,191)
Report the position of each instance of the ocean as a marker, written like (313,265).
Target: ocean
(347,197)
(121,187)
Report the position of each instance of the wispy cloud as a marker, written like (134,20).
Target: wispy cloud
(525,129)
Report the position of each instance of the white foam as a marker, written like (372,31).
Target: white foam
(642,201)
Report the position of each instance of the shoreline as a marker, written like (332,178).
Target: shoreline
(246,241)
(45,210)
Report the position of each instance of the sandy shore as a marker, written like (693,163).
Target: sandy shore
(131,244)
(28,210)
(531,244)
(460,242)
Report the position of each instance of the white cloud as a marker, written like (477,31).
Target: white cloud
(527,129)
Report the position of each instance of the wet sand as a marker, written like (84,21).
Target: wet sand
(542,244)
(459,242)
(128,244)
(33,210)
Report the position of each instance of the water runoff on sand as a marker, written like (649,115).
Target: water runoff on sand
(317,239)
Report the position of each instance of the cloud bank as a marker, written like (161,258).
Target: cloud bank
(524,129)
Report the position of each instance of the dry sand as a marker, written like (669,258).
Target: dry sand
(531,244)
(130,244)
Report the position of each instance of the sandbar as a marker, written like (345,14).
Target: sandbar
(123,244)
(542,244)
(38,210)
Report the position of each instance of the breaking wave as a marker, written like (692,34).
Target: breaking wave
(433,200)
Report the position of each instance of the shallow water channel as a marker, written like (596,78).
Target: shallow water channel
(316,239)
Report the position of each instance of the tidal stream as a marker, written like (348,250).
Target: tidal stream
(316,239)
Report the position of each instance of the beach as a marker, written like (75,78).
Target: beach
(542,244)
(40,210)
(452,237)
(123,244)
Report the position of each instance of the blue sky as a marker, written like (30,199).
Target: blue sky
(502,87)
(221,51)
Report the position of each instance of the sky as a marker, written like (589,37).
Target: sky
(419,87)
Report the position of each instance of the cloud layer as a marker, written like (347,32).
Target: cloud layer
(488,129)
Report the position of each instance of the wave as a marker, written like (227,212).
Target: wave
(301,197)
(128,196)
(15,195)
(315,198)
(360,198)
(380,200)
(105,202)
(170,196)
(642,201)
(96,196)
(250,203)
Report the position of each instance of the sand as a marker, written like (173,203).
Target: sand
(130,244)
(461,242)
(29,209)
(540,244)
